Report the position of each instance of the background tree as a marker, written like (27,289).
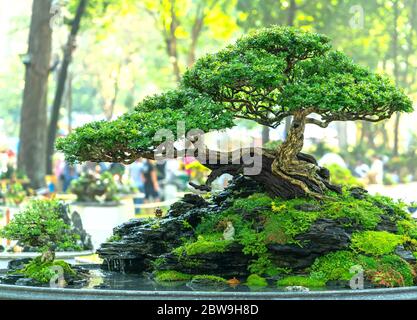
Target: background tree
(33,118)
(182,21)
(265,77)
(60,87)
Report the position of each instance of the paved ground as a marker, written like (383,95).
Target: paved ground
(406,192)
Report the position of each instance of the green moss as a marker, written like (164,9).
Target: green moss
(333,266)
(171,275)
(155,225)
(287,221)
(383,271)
(375,243)
(209,279)
(407,227)
(388,271)
(399,208)
(401,266)
(114,238)
(41,271)
(203,245)
(301,281)
(362,212)
(158,262)
(256,281)
(186,225)
(254,202)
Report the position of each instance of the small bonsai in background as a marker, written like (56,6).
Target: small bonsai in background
(92,188)
(40,225)
(14,194)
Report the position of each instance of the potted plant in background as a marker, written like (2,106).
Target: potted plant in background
(99,205)
(12,194)
(40,225)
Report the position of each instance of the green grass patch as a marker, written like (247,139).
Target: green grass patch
(301,281)
(375,243)
(256,281)
(171,275)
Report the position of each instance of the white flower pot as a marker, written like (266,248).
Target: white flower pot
(100,219)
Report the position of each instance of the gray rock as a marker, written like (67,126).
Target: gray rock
(18,264)
(296,289)
(324,236)
(27,282)
(231,263)
(405,254)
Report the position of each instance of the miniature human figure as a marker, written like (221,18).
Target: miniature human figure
(229,232)
(158,212)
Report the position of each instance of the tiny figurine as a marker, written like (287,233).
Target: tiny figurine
(229,232)
(233,282)
(158,212)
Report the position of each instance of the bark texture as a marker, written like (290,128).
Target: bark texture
(33,121)
(62,78)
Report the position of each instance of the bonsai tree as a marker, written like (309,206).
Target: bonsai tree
(266,76)
(40,225)
(90,188)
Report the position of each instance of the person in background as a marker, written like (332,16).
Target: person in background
(160,172)
(170,185)
(69,173)
(136,170)
(361,170)
(376,172)
(150,181)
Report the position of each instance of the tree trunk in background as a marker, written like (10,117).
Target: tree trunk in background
(342,134)
(195,34)
(109,109)
(171,42)
(396,74)
(33,121)
(292,11)
(265,134)
(69,101)
(53,125)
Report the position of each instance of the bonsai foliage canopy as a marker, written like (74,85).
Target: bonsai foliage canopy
(40,225)
(265,76)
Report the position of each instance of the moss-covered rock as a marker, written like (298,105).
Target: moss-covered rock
(319,241)
(43,272)
(375,243)
(256,281)
(302,281)
(208,282)
(171,276)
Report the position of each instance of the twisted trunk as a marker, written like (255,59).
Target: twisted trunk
(303,174)
(48,256)
(286,172)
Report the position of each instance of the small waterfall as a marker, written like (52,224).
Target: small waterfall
(108,265)
(122,265)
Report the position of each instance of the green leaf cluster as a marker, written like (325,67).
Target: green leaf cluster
(40,225)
